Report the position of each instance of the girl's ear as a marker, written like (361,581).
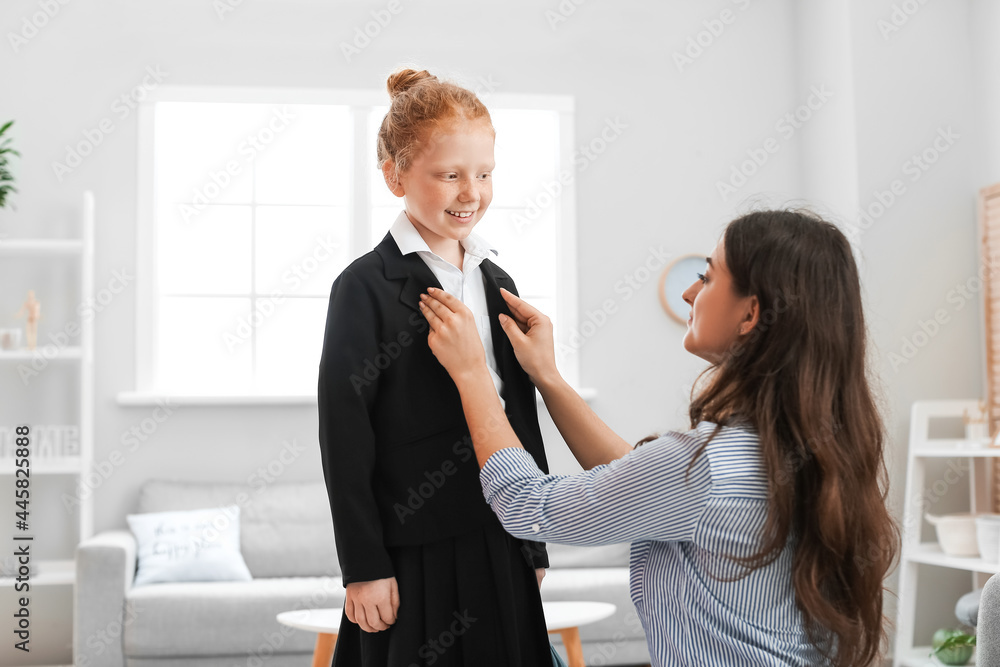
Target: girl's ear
(392,178)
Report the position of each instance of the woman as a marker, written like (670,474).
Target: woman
(760,536)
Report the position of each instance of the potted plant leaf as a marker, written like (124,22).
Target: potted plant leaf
(953,647)
(6,178)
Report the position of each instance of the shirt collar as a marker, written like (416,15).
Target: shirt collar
(409,240)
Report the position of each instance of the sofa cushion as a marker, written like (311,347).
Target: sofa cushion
(188,545)
(285,529)
(224,618)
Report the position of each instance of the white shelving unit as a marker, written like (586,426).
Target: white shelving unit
(42,251)
(918,557)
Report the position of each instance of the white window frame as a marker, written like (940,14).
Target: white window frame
(360,102)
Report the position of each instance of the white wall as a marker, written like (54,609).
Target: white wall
(655,185)
(908,85)
(984,18)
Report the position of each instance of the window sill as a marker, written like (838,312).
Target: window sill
(143,399)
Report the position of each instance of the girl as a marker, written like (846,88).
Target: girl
(760,536)
(431,576)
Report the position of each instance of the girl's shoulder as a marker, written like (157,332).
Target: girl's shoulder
(366,265)
(367,270)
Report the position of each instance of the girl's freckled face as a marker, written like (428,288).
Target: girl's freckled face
(449,186)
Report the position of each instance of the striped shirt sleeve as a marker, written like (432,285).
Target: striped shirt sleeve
(645,495)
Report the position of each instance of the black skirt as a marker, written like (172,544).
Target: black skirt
(469,600)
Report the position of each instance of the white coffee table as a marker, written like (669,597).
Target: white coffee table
(326,622)
(562,618)
(565,619)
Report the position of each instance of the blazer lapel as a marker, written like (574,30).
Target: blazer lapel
(493,280)
(415,275)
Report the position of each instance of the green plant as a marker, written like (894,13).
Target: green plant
(6,178)
(953,647)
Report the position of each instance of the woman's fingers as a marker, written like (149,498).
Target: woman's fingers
(428,312)
(445,298)
(510,320)
(516,303)
(443,305)
(520,310)
(514,329)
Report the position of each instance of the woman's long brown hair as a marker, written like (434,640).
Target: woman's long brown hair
(800,378)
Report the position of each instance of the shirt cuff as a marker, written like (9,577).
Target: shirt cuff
(505,466)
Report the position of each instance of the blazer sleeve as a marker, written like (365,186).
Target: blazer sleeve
(535,552)
(345,397)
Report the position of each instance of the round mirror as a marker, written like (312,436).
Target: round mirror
(677,277)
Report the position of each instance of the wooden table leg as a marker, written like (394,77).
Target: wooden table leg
(323,653)
(574,649)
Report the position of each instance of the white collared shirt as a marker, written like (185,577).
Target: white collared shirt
(465,284)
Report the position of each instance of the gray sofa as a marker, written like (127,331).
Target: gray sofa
(286,538)
(988,627)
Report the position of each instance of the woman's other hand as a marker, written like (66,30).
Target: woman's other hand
(454,336)
(530,333)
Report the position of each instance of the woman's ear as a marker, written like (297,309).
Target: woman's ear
(391,177)
(752,316)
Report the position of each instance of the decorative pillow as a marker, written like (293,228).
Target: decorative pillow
(195,545)
(285,527)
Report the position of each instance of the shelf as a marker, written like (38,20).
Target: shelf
(919,656)
(145,399)
(929,553)
(45,466)
(45,351)
(922,449)
(50,573)
(40,247)
(947,448)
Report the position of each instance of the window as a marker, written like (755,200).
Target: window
(252,201)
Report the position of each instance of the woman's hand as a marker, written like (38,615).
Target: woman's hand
(454,336)
(530,333)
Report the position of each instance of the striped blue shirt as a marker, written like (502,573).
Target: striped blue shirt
(682,528)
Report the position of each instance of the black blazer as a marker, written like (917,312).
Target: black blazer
(397,456)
